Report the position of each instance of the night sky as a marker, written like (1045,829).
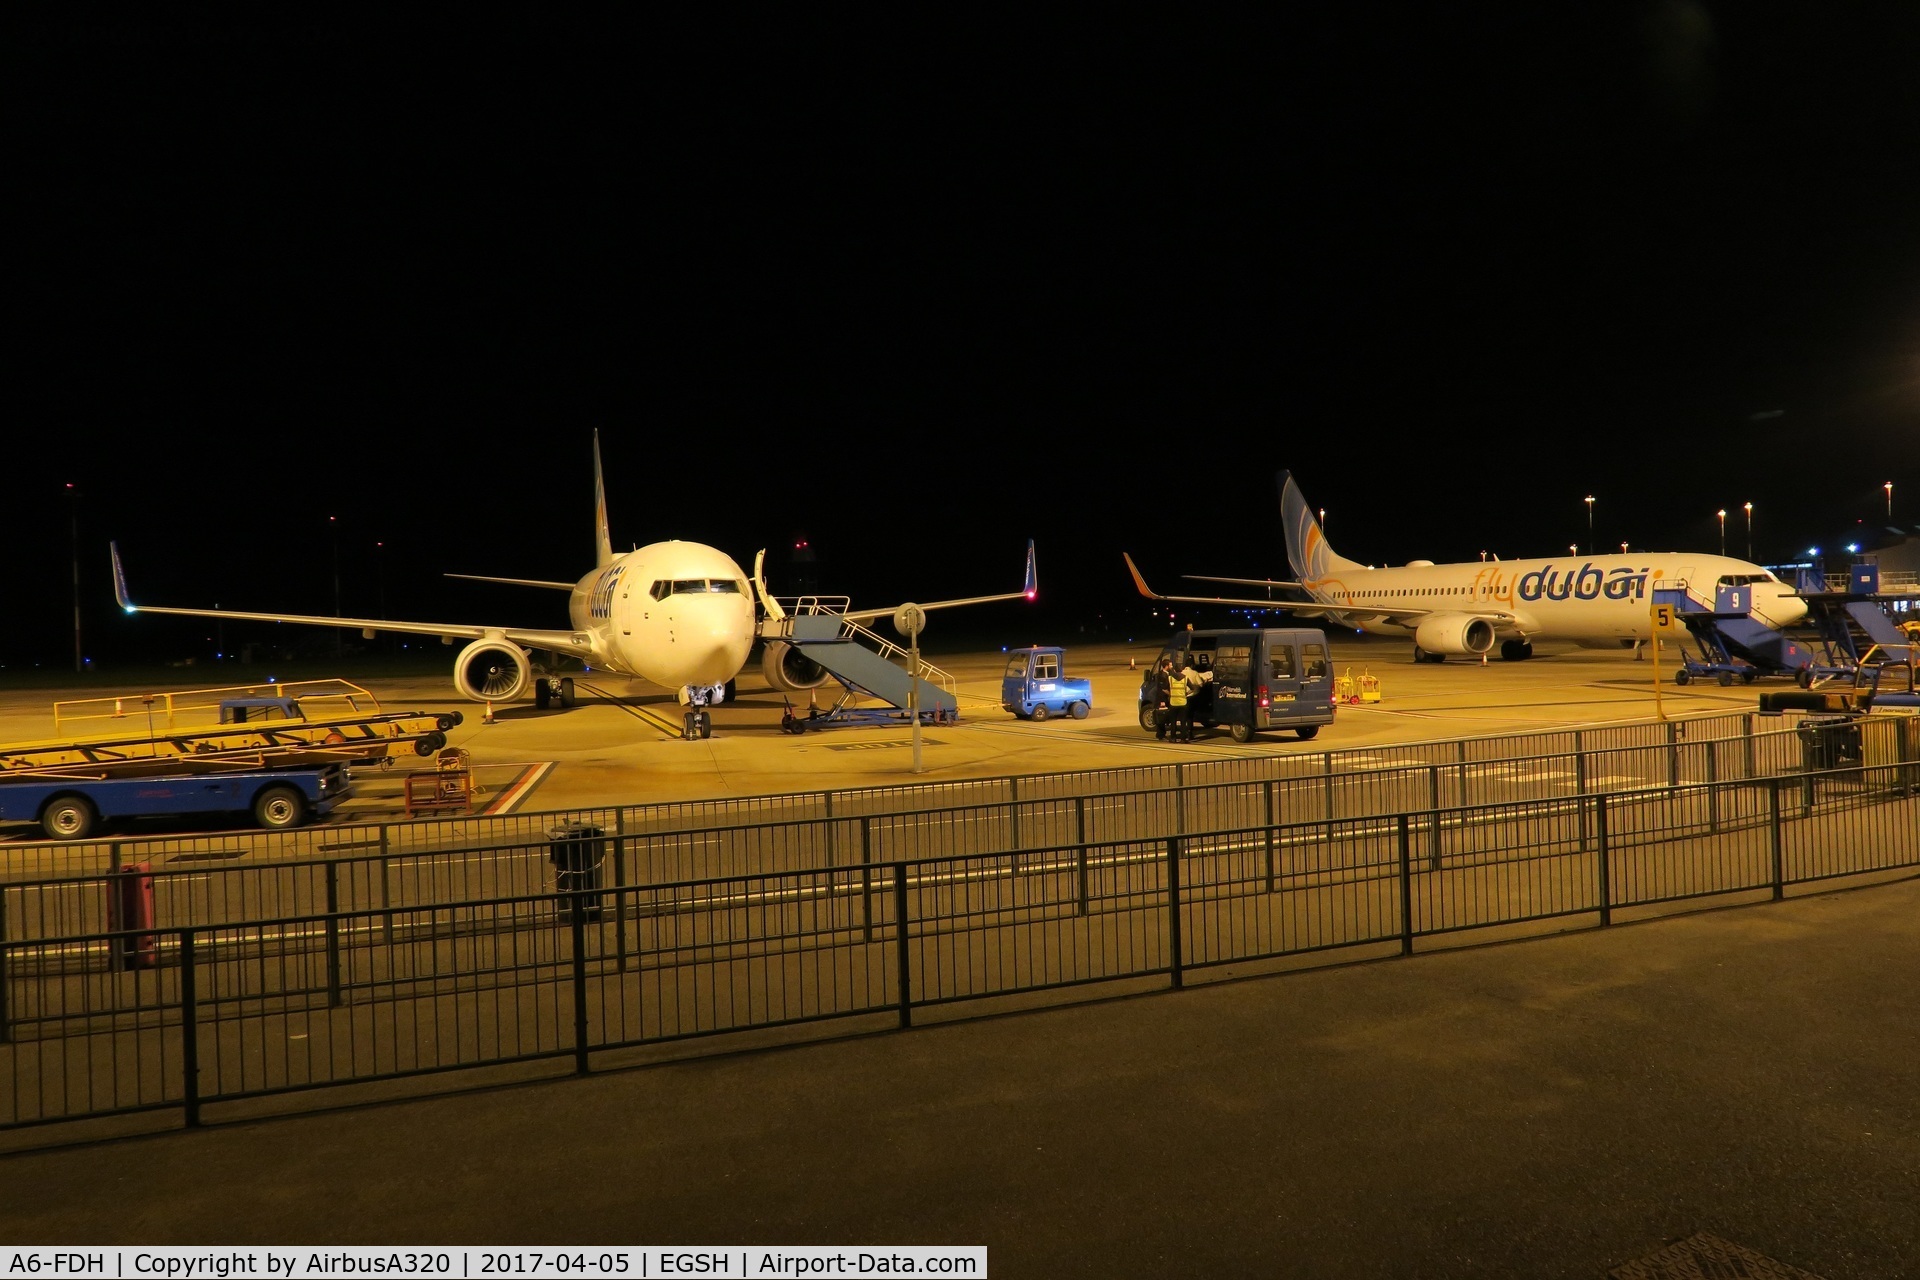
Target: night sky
(917,290)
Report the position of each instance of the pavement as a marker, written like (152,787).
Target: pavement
(1554,1107)
(611,749)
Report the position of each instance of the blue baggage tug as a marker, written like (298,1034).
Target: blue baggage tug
(1036,685)
(1263,678)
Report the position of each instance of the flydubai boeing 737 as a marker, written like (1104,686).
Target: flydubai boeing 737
(678,614)
(1599,602)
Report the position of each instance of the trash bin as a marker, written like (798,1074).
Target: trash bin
(1830,742)
(578,851)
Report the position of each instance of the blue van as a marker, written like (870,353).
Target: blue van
(1263,678)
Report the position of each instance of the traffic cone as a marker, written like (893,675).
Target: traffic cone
(116,708)
(488,718)
(1129,664)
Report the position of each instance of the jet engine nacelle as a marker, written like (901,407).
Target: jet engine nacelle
(1454,634)
(492,671)
(789,670)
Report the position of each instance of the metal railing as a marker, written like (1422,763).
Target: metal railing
(227,887)
(205,703)
(103,1022)
(1605,749)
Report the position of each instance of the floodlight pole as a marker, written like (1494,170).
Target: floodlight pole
(79,663)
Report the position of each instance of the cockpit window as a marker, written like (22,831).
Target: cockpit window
(698,586)
(1741,579)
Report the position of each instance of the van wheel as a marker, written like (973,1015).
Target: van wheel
(1040,711)
(1242,732)
(69,818)
(1078,711)
(1307,731)
(279,808)
(1149,719)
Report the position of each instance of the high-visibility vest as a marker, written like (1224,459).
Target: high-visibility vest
(1176,692)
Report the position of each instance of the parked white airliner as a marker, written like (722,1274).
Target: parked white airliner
(679,614)
(1461,609)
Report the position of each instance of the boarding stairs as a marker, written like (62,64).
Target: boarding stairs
(1732,642)
(861,658)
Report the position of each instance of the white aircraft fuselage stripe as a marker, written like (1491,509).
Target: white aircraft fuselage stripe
(1599,599)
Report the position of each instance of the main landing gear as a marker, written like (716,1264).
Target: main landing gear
(548,690)
(1421,655)
(1516,650)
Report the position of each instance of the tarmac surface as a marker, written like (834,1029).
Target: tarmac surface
(1556,1107)
(619,745)
(1543,1108)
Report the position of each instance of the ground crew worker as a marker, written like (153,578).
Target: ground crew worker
(1162,711)
(1189,682)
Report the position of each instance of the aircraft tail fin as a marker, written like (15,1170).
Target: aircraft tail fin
(1308,551)
(604,542)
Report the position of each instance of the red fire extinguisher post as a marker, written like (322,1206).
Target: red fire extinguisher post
(130,906)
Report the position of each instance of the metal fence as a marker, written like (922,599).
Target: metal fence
(208,888)
(1606,749)
(106,1022)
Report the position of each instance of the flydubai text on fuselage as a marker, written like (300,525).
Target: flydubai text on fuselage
(1603,600)
(1461,609)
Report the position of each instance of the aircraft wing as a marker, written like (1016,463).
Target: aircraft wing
(513,582)
(558,641)
(1313,606)
(1028,591)
(1240,582)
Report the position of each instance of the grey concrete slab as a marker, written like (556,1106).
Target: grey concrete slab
(1548,1108)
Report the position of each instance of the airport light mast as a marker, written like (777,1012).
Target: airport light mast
(1589,524)
(1749,531)
(1888,486)
(1723,530)
(79,663)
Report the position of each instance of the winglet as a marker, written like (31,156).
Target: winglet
(1032,587)
(1139,582)
(120,579)
(603,547)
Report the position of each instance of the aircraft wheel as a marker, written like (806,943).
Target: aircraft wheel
(542,694)
(1149,718)
(1242,733)
(1078,711)
(1526,650)
(279,809)
(69,818)
(566,691)
(1307,732)
(1681,677)
(730,693)
(1419,655)
(705,724)
(1726,679)
(1040,711)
